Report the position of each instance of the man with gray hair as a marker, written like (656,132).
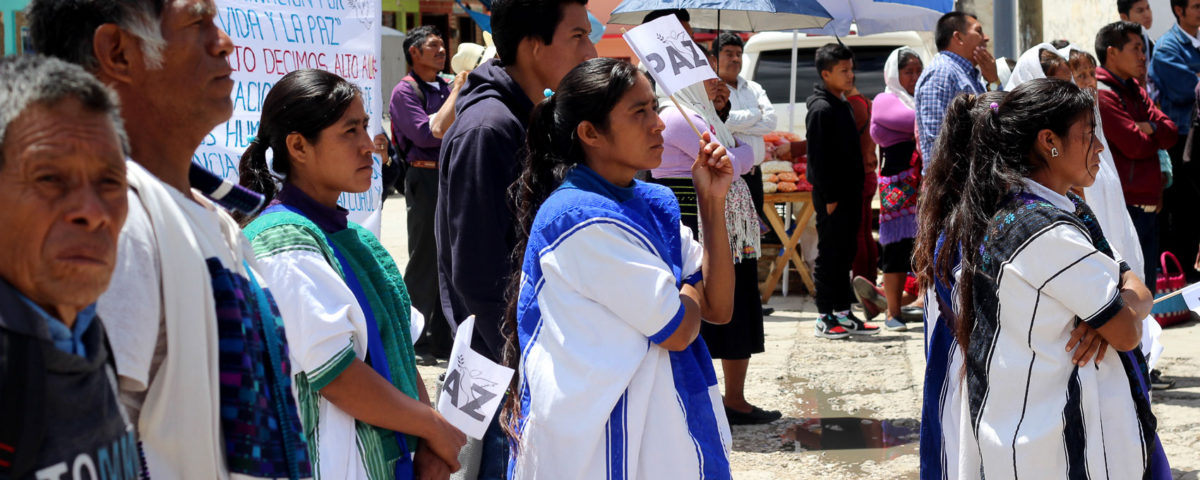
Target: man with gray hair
(62,184)
(199,346)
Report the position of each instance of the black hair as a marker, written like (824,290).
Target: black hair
(1124,6)
(726,39)
(830,54)
(1002,156)
(1182,4)
(416,38)
(1060,43)
(1115,35)
(680,13)
(943,183)
(947,26)
(1079,56)
(906,57)
(1051,61)
(589,92)
(65,28)
(305,102)
(516,20)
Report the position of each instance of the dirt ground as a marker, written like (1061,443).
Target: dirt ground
(852,407)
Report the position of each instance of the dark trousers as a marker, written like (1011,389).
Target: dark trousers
(836,248)
(421,275)
(1179,232)
(1146,224)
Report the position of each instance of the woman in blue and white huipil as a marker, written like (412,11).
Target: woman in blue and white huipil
(1036,275)
(614,382)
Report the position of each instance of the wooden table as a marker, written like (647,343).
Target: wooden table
(789,250)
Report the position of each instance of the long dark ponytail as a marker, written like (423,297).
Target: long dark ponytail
(941,189)
(1003,156)
(588,92)
(304,102)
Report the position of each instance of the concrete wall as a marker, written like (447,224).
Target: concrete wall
(982,10)
(1079,20)
(1074,20)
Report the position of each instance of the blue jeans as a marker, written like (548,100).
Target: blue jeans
(493,462)
(1146,224)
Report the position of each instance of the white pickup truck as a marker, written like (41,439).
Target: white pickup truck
(767,59)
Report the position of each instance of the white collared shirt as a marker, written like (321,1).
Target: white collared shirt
(1059,200)
(751,116)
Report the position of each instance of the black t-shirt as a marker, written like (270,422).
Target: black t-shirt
(68,403)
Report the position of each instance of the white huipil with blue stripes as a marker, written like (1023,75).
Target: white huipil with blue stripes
(600,399)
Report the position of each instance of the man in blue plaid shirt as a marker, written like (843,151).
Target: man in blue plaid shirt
(962,55)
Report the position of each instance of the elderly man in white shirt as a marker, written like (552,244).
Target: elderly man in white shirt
(751,115)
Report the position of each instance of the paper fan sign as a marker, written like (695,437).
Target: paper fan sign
(670,55)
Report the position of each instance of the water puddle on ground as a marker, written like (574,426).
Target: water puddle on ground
(845,438)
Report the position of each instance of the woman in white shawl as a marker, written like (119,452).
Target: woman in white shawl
(743,336)
(1104,196)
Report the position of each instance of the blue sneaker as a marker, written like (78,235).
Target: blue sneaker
(895,324)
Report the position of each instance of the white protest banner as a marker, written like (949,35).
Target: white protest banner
(474,385)
(274,38)
(669,54)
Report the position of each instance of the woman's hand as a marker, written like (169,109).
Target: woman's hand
(427,465)
(1087,344)
(446,442)
(712,173)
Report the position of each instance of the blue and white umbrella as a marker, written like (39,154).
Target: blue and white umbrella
(874,16)
(735,15)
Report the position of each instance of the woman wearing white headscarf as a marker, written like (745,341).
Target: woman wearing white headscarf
(893,128)
(743,336)
(1041,61)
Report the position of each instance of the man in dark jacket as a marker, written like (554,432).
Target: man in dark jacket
(538,42)
(1136,130)
(836,173)
(62,182)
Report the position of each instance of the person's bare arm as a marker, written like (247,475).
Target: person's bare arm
(441,121)
(712,298)
(368,397)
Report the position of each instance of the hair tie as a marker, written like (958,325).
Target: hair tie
(548,93)
(994,106)
(251,139)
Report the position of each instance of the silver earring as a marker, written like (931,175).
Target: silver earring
(1053,152)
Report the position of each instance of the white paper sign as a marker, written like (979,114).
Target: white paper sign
(1191,295)
(474,385)
(669,54)
(272,39)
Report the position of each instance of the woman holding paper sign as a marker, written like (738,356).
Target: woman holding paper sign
(612,292)
(365,410)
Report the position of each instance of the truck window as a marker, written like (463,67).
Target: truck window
(774,65)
